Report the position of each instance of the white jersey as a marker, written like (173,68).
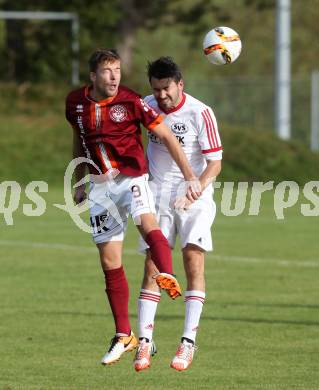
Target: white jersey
(195,127)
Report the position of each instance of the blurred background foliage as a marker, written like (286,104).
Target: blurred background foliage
(40,50)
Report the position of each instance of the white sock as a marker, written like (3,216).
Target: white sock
(147,305)
(194,300)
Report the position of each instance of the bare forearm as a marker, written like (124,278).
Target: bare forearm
(79,172)
(78,151)
(210,173)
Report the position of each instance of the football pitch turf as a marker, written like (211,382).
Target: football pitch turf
(259,327)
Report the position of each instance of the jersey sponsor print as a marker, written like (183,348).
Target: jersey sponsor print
(195,127)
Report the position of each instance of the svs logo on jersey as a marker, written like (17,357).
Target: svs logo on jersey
(179,128)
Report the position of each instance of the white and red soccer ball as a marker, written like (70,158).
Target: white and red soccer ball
(222,46)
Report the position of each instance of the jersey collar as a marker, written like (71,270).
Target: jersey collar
(180,105)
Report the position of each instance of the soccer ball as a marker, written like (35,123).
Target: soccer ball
(222,46)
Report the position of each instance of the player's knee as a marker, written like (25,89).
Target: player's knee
(148,224)
(110,262)
(110,255)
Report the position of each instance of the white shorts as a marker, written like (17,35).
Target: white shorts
(193,225)
(112,202)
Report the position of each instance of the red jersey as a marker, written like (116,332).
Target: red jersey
(110,129)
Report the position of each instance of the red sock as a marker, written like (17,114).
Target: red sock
(117,291)
(160,251)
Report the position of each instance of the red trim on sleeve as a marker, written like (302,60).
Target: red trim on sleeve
(206,151)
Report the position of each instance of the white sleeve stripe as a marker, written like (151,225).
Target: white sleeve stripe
(204,113)
(214,135)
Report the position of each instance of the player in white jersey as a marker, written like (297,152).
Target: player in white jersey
(195,127)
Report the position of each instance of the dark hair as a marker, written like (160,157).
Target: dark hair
(101,55)
(164,68)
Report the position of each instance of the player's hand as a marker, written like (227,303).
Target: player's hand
(80,194)
(105,177)
(182,203)
(194,189)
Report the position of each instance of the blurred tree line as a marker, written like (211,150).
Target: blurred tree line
(38,51)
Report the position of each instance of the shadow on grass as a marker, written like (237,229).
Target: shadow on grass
(280,305)
(164,317)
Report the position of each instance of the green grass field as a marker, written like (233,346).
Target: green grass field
(259,328)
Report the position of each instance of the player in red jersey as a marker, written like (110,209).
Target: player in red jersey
(106,119)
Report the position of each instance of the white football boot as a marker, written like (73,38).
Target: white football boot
(184,356)
(143,354)
(119,345)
